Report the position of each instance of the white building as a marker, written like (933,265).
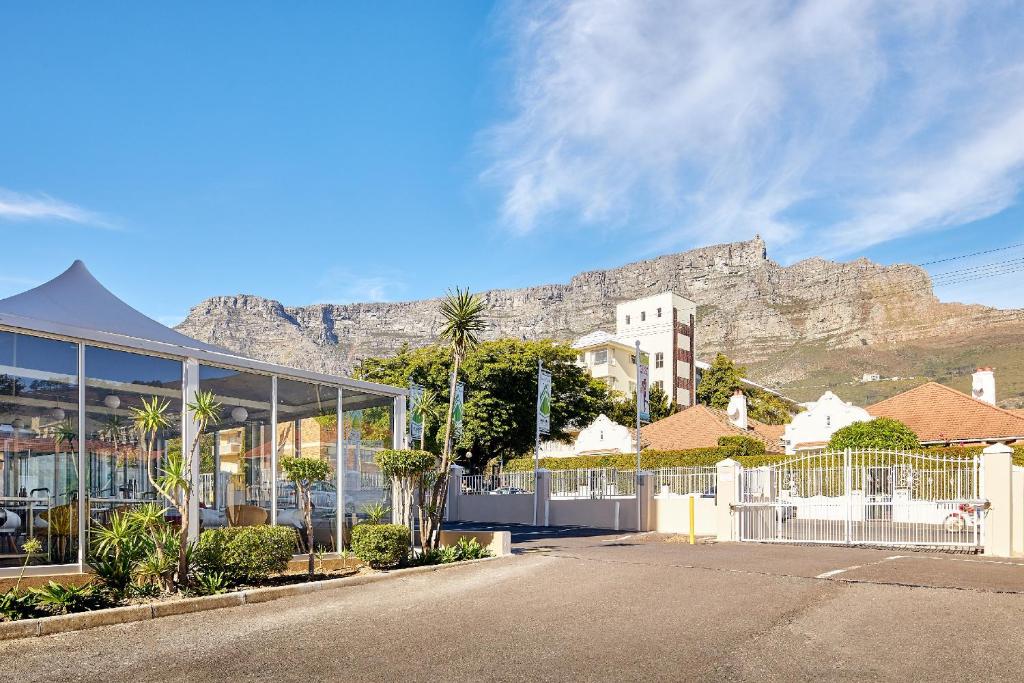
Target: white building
(664,326)
(813,428)
(601,437)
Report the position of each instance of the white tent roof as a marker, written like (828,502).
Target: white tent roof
(77,299)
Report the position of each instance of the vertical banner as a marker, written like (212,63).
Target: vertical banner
(457,411)
(415,417)
(643,387)
(543,401)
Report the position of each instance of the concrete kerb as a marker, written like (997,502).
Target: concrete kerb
(27,628)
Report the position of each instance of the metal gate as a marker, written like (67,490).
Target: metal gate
(864,497)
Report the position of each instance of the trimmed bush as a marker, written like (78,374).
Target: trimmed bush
(245,554)
(882,432)
(741,445)
(381,545)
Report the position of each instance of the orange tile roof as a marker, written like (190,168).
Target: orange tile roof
(938,413)
(700,426)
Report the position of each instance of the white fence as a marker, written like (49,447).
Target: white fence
(682,481)
(593,483)
(871,497)
(508,483)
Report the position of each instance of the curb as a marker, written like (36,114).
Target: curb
(67,623)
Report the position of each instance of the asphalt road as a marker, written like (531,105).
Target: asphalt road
(584,605)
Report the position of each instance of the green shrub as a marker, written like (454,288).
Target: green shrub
(15,604)
(380,545)
(882,432)
(245,554)
(470,549)
(57,598)
(740,445)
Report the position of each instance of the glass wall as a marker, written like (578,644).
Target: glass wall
(368,427)
(39,463)
(235,475)
(307,427)
(122,460)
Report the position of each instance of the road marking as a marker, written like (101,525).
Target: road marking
(620,538)
(825,575)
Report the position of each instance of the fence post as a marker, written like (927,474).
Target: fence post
(725,497)
(997,479)
(451,509)
(646,494)
(543,489)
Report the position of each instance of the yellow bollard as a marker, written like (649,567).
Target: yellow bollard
(693,535)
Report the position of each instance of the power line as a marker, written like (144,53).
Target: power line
(976,253)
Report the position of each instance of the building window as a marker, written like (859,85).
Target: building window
(582,358)
(643,316)
(632,358)
(632,388)
(600,357)
(627,319)
(659,311)
(659,360)
(658,383)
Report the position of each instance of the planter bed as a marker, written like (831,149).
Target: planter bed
(285,585)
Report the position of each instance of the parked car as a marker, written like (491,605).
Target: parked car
(507,491)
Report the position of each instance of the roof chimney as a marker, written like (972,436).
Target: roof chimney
(983,385)
(737,410)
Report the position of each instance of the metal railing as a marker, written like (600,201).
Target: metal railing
(682,481)
(509,483)
(593,483)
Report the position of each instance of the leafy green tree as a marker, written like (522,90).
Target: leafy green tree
(501,377)
(719,382)
(407,470)
(623,408)
(305,473)
(882,432)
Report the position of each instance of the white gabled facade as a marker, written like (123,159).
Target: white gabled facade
(815,426)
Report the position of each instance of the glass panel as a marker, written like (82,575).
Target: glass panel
(116,382)
(39,464)
(234,468)
(367,429)
(307,427)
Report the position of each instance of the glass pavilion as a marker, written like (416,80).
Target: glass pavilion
(75,360)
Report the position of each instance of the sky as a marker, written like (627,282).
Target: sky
(340,152)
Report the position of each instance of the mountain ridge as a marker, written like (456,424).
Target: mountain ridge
(774,318)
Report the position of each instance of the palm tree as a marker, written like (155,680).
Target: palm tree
(464,317)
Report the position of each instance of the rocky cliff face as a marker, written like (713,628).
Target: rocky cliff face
(761,313)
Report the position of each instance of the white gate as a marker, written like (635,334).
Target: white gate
(864,497)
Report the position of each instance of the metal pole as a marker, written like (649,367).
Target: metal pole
(639,526)
(536,445)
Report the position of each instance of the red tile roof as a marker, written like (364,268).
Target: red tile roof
(938,413)
(700,426)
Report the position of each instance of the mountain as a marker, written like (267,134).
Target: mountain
(803,328)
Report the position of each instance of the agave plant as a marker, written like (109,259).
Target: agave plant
(376,513)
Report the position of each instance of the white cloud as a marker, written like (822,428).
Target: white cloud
(16,206)
(825,126)
(342,285)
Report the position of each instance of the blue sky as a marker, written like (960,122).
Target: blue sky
(367,151)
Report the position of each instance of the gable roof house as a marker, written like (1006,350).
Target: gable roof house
(941,415)
(700,426)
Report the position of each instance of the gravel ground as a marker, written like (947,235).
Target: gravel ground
(591,607)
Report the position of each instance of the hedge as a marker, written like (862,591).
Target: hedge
(649,460)
(702,457)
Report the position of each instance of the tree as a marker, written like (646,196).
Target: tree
(719,382)
(623,408)
(499,419)
(464,318)
(882,432)
(304,473)
(407,470)
(428,407)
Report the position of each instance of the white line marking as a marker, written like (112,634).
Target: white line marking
(825,575)
(620,538)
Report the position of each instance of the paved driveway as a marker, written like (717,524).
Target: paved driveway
(580,605)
